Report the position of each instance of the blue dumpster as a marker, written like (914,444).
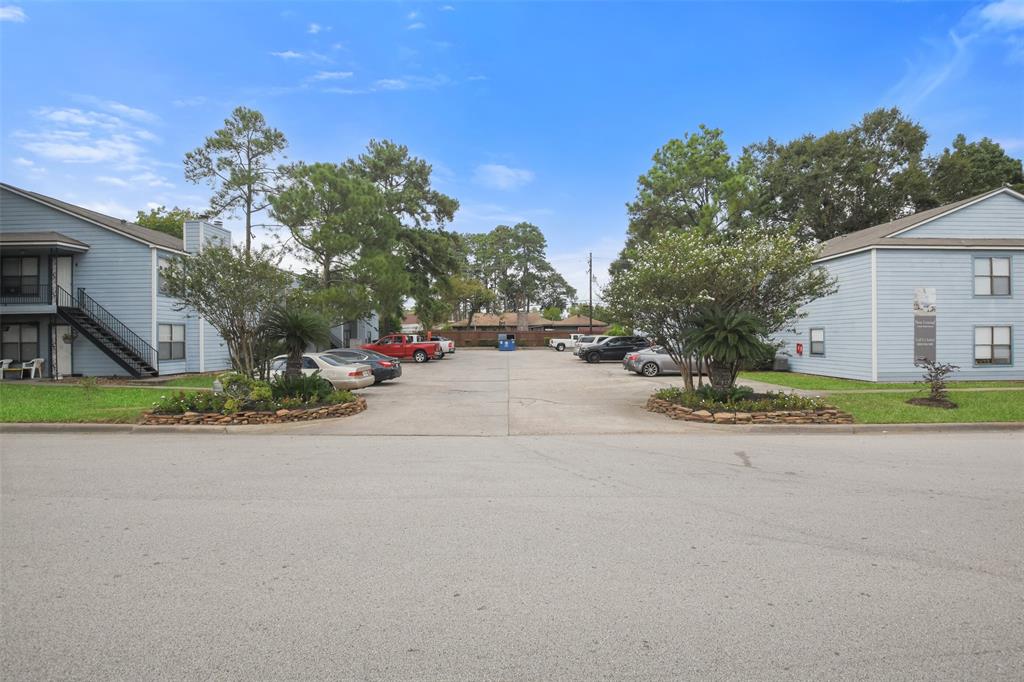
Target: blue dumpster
(506,341)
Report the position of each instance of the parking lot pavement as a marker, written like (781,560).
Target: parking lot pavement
(644,557)
(492,393)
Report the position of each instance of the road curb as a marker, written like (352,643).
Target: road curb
(871,428)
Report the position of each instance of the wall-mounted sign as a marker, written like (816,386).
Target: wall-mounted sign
(924,324)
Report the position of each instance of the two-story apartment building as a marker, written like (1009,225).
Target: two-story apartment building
(82,290)
(946,284)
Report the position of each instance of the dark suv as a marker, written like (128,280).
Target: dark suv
(614,348)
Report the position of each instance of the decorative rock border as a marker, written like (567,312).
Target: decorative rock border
(827,415)
(282,416)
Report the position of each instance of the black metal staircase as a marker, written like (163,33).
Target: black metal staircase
(107,333)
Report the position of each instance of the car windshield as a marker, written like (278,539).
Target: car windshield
(278,364)
(586,339)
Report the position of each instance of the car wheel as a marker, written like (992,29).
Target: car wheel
(594,357)
(560,347)
(440,355)
(420,356)
(650,369)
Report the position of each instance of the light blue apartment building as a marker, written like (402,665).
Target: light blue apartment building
(82,291)
(946,283)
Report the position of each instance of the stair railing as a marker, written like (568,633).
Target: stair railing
(114,326)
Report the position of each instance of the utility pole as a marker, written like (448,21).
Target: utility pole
(590,287)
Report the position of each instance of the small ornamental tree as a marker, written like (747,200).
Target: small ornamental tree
(294,329)
(727,338)
(768,274)
(235,292)
(935,374)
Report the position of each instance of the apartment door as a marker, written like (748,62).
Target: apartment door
(62,358)
(65,266)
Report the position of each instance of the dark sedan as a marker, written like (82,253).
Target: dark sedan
(613,348)
(384,367)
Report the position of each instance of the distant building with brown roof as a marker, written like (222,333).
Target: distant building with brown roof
(533,321)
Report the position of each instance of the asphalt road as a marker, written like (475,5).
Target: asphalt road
(623,556)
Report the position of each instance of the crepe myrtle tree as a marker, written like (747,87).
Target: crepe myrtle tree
(235,292)
(766,273)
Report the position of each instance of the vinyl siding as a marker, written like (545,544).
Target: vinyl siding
(846,318)
(998,217)
(958,311)
(117,272)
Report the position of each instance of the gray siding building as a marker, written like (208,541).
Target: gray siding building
(947,283)
(81,290)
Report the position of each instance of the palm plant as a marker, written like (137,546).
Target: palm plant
(727,338)
(295,329)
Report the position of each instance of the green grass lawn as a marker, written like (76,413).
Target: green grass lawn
(811,382)
(34,403)
(197,381)
(892,408)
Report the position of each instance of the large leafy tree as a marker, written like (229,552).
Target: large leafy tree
(692,185)
(238,162)
(430,252)
(970,168)
(765,272)
(235,291)
(339,225)
(167,220)
(842,181)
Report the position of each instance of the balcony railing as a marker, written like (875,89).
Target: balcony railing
(37,295)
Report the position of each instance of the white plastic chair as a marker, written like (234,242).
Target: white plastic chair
(4,365)
(34,365)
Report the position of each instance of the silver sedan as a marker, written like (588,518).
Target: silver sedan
(650,362)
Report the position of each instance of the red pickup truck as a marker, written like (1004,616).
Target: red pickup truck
(402,346)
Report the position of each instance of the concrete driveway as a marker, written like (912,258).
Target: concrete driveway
(492,393)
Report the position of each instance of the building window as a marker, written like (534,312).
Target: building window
(817,342)
(992,345)
(20,342)
(172,341)
(992,276)
(20,276)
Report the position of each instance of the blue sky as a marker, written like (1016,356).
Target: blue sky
(534,111)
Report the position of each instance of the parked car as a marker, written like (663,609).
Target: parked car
(384,367)
(402,346)
(446,345)
(588,340)
(342,375)
(562,344)
(650,362)
(613,348)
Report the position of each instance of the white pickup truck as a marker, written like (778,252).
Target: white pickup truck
(446,345)
(562,344)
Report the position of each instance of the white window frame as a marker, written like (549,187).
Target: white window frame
(991,345)
(172,341)
(988,277)
(811,342)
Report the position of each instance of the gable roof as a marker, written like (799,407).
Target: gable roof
(47,238)
(886,233)
(123,227)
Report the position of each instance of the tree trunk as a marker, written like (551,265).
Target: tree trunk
(293,368)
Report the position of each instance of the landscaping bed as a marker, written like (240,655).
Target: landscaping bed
(281,416)
(744,408)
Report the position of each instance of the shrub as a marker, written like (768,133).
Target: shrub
(724,395)
(935,374)
(182,402)
(339,397)
(89,384)
(305,388)
(742,402)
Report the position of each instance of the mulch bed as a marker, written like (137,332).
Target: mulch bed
(931,402)
(242,418)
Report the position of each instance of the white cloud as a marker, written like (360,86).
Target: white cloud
(189,101)
(81,147)
(331,75)
(151,179)
(12,13)
(412,15)
(416,26)
(391,84)
(497,176)
(110,180)
(447,8)
(477,77)
(411,83)
(80,118)
(110,208)
(130,112)
(1004,14)
(314,28)
(23,162)
(288,54)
